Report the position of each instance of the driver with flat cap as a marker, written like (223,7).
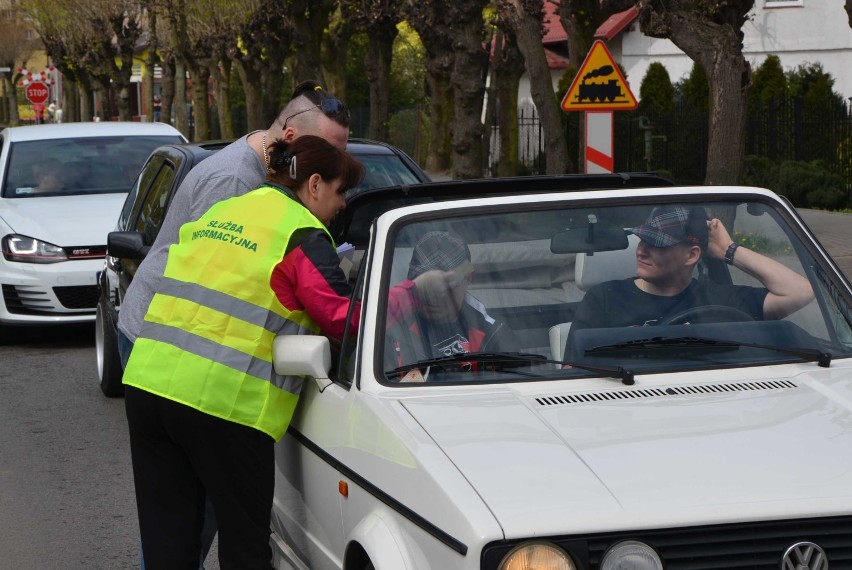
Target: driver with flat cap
(672,241)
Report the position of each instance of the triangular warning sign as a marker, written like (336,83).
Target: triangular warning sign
(599,85)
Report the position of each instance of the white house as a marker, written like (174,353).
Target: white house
(797,31)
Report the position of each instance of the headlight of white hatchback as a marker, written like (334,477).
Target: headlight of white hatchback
(537,556)
(25,249)
(631,555)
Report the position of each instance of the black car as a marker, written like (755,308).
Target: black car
(146,206)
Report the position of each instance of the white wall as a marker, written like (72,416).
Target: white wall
(803,31)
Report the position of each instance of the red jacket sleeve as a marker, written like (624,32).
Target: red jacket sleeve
(309,278)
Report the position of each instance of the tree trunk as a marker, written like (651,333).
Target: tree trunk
(167,84)
(491,105)
(14,118)
(87,110)
(729,80)
(251,85)
(181,115)
(310,20)
(377,64)
(272,80)
(221,73)
(200,103)
(71,104)
(527,29)
(714,41)
(508,69)
(122,99)
(334,56)
(439,158)
(151,63)
(468,83)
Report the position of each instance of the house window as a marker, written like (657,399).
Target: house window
(782,3)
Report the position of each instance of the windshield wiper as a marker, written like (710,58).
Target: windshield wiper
(823,359)
(515,358)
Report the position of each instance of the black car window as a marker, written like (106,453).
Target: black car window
(140,187)
(153,206)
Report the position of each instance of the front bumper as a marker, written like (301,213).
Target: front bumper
(65,292)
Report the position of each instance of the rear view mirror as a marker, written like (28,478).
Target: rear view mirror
(127,245)
(594,237)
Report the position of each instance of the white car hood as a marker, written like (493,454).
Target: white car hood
(579,462)
(64,220)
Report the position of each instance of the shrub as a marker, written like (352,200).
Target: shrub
(808,185)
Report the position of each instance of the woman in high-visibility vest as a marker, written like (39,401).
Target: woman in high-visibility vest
(204,404)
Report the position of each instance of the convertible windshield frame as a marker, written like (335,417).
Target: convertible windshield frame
(802,247)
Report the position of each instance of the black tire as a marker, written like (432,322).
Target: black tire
(106,348)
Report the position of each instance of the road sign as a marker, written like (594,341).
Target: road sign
(599,85)
(37,92)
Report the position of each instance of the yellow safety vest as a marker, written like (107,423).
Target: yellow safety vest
(207,337)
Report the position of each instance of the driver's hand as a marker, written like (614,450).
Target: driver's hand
(718,239)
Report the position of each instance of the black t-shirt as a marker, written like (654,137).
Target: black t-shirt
(622,304)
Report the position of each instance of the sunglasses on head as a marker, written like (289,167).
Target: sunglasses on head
(331,107)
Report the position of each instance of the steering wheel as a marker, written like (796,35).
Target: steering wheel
(708,314)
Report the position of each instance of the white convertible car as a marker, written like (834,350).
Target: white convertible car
(709,438)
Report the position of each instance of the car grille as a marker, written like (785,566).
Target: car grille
(26,300)
(747,546)
(77,297)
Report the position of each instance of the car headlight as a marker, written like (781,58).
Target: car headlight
(537,556)
(631,555)
(25,249)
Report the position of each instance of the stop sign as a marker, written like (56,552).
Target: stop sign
(37,92)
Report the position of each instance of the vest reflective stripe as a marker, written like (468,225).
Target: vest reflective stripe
(253,366)
(235,396)
(221,302)
(207,336)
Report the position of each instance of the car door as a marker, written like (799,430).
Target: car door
(309,502)
(148,213)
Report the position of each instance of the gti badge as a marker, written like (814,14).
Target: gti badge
(804,556)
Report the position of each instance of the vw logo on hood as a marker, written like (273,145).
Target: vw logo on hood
(804,556)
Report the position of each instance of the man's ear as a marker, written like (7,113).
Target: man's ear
(290,133)
(693,255)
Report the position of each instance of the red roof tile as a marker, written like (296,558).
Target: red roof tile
(616,23)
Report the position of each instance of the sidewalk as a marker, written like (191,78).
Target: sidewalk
(834,231)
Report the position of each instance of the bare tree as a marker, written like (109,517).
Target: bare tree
(335,48)
(431,21)
(15,49)
(265,41)
(378,19)
(310,18)
(508,64)
(453,35)
(710,33)
(524,17)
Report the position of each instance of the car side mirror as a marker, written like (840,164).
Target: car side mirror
(127,245)
(303,355)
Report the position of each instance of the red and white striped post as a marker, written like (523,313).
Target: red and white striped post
(599,142)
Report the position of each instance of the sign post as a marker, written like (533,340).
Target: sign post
(599,88)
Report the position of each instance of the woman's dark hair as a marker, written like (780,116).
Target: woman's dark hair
(294,162)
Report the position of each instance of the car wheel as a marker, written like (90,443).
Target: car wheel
(106,349)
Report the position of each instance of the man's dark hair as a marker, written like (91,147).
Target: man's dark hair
(331,106)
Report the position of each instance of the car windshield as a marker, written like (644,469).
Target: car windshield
(530,293)
(63,167)
(382,170)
